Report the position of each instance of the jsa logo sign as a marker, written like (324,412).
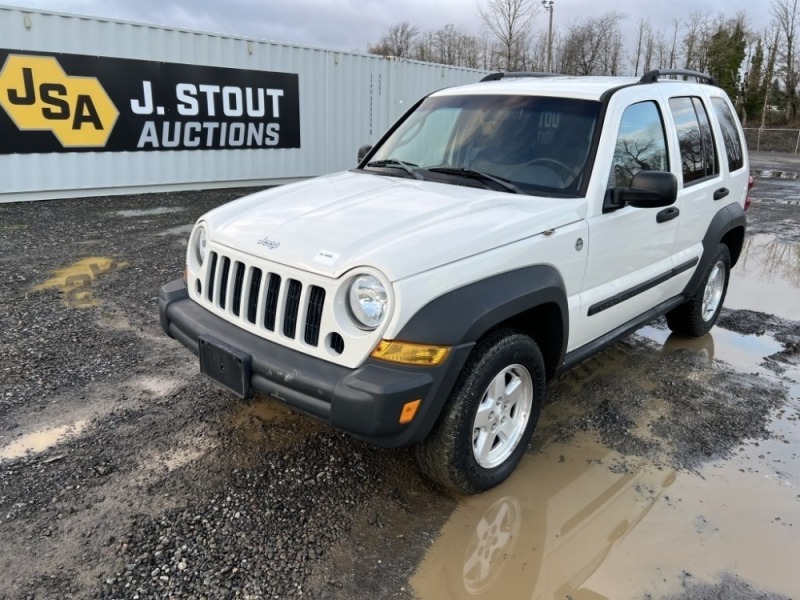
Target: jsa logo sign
(38,95)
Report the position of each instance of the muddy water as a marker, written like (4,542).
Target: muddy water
(578,520)
(39,441)
(745,352)
(767,277)
(75,282)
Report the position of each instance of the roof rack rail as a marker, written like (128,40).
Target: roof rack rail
(497,76)
(656,74)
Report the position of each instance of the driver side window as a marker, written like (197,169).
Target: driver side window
(641,144)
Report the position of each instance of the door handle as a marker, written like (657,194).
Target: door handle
(667,214)
(721,193)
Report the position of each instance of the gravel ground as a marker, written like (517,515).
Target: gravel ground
(730,588)
(170,487)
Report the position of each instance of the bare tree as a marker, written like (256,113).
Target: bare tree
(673,53)
(510,22)
(786,14)
(695,42)
(649,50)
(592,46)
(398,41)
(772,35)
(642,29)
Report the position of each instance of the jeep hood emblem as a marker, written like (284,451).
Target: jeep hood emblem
(271,244)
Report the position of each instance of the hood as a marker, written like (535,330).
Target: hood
(329,225)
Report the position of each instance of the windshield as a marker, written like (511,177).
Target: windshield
(538,145)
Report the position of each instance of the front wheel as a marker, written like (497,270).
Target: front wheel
(697,316)
(489,418)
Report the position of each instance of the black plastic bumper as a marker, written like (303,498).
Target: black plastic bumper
(366,401)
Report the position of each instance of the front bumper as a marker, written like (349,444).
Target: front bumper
(366,401)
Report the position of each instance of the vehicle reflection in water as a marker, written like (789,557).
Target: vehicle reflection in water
(767,276)
(545,531)
(745,352)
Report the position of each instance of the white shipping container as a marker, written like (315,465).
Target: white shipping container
(344,100)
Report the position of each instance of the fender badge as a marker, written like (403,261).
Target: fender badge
(271,244)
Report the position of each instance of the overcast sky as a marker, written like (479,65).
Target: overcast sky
(352,24)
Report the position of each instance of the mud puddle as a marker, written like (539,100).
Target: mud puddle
(745,352)
(39,441)
(767,276)
(568,524)
(607,508)
(75,282)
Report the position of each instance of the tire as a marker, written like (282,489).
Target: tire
(502,385)
(697,315)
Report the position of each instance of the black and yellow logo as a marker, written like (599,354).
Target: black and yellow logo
(39,96)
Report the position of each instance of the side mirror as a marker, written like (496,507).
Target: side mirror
(363,151)
(649,189)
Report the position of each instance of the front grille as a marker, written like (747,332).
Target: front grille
(286,305)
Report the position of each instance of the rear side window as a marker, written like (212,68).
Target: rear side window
(695,139)
(641,144)
(730,134)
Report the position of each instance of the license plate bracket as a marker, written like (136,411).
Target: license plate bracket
(226,365)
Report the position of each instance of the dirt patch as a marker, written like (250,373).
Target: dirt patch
(730,588)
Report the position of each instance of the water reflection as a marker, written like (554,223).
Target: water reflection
(767,277)
(745,352)
(544,532)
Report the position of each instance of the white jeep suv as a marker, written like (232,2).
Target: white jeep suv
(496,235)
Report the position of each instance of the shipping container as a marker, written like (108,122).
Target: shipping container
(90,106)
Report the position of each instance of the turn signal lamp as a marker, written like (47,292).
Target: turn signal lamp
(409,411)
(407,353)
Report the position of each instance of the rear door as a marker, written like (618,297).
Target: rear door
(701,188)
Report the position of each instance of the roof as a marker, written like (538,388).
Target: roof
(582,87)
(586,88)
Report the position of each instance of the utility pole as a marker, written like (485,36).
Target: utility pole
(548,6)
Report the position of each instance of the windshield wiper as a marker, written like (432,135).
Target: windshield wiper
(395,162)
(472,174)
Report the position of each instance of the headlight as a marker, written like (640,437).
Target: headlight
(200,245)
(368,301)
